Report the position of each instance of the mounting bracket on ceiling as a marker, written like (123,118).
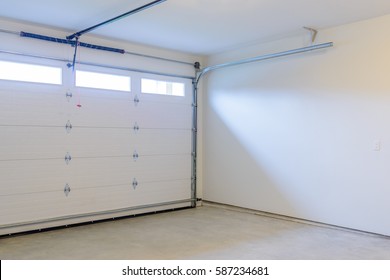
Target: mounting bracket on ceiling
(313,33)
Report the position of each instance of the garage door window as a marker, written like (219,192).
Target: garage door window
(22,72)
(102,81)
(162,87)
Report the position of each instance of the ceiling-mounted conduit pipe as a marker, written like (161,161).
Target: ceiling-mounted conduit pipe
(203,71)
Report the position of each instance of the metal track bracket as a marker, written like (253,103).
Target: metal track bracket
(313,33)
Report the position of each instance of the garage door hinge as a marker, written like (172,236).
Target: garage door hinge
(68,158)
(68,127)
(136,100)
(67,190)
(135,155)
(135,183)
(136,127)
(68,95)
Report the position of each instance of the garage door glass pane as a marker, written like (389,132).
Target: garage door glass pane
(162,87)
(23,72)
(102,81)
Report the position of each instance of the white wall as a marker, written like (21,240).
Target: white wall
(295,136)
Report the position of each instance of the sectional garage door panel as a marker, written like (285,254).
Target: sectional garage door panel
(27,143)
(117,153)
(158,115)
(89,201)
(100,142)
(121,113)
(112,109)
(163,168)
(101,111)
(97,172)
(31,176)
(95,142)
(33,207)
(31,108)
(162,142)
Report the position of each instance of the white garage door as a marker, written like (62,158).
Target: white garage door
(80,153)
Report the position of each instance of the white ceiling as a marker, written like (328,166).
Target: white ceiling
(194,26)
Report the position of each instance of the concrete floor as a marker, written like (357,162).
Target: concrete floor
(207,232)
